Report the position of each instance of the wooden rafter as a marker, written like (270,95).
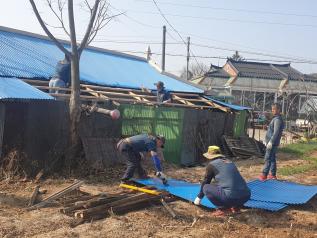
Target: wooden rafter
(136,96)
(140,98)
(225,109)
(182,100)
(99,95)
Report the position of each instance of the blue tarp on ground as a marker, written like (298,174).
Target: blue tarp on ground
(12,88)
(26,56)
(271,195)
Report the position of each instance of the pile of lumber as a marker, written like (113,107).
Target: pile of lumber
(87,207)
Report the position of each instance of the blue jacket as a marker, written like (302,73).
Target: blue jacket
(274,131)
(62,71)
(163,95)
(142,143)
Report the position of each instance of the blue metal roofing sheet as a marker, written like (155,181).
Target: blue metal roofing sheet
(189,192)
(281,191)
(229,105)
(29,56)
(12,88)
(271,206)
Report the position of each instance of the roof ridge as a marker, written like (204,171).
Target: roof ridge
(255,62)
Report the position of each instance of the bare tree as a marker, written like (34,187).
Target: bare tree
(99,18)
(195,70)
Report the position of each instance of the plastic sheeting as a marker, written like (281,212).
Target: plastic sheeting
(12,88)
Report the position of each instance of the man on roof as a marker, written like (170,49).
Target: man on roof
(229,191)
(61,78)
(163,96)
(133,147)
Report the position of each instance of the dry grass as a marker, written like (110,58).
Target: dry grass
(192,221)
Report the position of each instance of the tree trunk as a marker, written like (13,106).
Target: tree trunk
(74,103)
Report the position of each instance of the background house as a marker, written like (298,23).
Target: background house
(257,85)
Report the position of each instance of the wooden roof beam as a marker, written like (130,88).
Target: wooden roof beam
(182,100)
(99,95)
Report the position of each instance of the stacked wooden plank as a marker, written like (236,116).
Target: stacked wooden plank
(86,207)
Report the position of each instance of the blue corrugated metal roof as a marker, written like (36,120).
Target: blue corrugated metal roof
(12,88)
(232,106)
(28,56)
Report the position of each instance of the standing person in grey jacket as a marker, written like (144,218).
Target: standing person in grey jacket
(272,141)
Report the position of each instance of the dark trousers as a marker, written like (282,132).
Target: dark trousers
(133,160)
(217,196)
(270,161)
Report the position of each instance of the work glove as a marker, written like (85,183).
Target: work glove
(269,145)
(162,176)
(197,201)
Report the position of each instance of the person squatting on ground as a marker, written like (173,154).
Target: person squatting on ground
(133,146)
(229,191)
(61,78)
(272,141)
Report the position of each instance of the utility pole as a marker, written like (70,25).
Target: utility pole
(188,55)
(163,48)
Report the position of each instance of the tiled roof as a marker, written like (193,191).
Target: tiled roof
(217,72)
(266,70)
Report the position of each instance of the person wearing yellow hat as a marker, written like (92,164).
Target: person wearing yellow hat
(230,190)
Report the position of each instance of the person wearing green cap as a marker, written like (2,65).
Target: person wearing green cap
(230,190)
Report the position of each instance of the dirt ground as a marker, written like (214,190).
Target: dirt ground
(153,221)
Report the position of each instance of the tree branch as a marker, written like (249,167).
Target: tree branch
(60,18)
(49,34)
(89,27)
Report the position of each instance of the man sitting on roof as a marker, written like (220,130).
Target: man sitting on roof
(61,78)
(163,96)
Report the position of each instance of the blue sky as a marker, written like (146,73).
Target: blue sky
(285,28)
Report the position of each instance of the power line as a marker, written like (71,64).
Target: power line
(137,42)
(228,19)
(202,37)
(233,9)
(286,58)
(161,13)
(210,47)
(251,52)
(222,57)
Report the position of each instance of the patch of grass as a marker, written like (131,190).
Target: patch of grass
(299,149)
(286,171)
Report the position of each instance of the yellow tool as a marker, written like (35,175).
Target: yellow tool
(143,190)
